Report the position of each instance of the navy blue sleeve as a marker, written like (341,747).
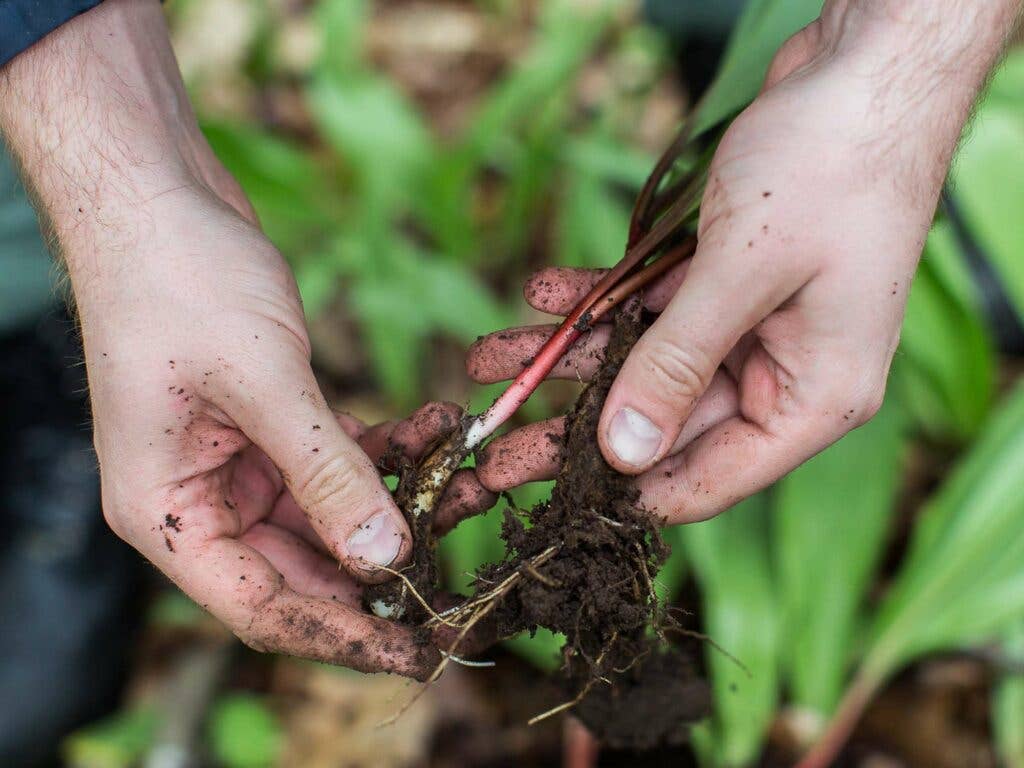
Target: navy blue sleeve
(25,22)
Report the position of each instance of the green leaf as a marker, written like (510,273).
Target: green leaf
(831,516)
(378,134)
(963,578)
(592,224)
(285,184)
(1008,703)
(118,741)
(566,36)
(243,732)
(986,177)
(730,558)
(945,372)
(764,26)
(343,23)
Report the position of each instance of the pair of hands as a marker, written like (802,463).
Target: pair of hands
(223,464)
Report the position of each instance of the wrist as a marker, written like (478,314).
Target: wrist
(912,47)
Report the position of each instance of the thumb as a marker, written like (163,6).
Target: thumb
(727,291)
(333,482)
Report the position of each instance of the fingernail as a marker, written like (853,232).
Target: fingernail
(377,541)
(633,437)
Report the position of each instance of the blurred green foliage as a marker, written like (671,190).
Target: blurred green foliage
(243,732)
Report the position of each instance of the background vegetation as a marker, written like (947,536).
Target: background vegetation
(415,161)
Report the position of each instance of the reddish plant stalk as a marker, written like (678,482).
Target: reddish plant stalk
(827,748)
(610,291)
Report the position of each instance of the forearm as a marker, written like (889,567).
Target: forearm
(936,52)
(97,115)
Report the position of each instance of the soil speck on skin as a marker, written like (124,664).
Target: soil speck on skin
(173,522)
(766,194)
(167,541)
(316,426)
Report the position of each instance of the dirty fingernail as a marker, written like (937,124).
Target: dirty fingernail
(633,437)
(377,541)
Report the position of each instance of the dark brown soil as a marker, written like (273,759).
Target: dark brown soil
(584,564)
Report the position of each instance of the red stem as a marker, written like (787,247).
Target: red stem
(582,317)
(828,747)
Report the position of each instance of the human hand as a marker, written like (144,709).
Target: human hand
(220,459)
(776,339)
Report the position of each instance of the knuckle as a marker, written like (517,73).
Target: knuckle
(329,483)
(858,405)
(674,372)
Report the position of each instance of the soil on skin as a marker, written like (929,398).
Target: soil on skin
(630,687)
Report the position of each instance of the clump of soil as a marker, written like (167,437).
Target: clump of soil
(583,564)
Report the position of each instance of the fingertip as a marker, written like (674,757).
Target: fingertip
(424,427)
(630,441)
(525,455)
(377,546)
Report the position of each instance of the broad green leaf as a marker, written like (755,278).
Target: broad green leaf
(604,158)
(963,578)
(118,741)
(730,558)
(762,29)
(285,184)
(376,132)
(244,733)
(592,224)
(1008,703)
(830,520)
(987,178)
(945,370)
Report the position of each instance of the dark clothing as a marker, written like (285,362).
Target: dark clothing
(26,22)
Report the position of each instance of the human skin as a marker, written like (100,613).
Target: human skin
(776,338)
(220,459)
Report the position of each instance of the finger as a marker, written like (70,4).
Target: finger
(728,289)
(557,290)
(464,497)
(412,436)
(240,587)
(425,427)
(503,355)
(525,455)
(533,453)
(304,569)
(332,480)
(719,402)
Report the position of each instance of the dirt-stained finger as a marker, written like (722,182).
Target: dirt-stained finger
(424,427)
(327,631)
(243,589)
(464,497)
(557,290)
(304,568)
(503,355)
(525,455)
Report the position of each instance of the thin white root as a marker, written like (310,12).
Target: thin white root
(467,662)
